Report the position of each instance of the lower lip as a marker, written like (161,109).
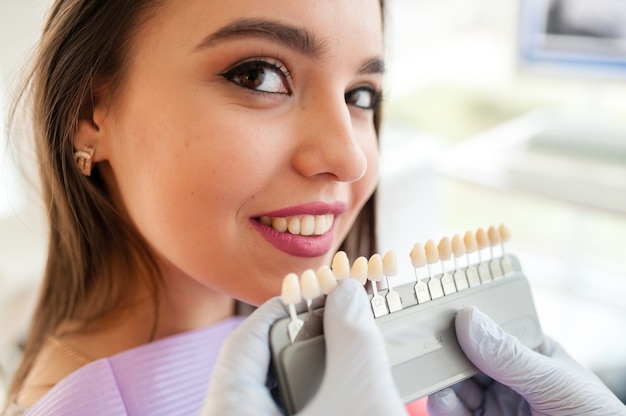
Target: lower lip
(296,245)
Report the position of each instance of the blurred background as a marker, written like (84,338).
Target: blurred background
(497,111)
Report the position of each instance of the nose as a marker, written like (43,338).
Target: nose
(328,145)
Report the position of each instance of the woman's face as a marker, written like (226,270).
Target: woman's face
(242,143)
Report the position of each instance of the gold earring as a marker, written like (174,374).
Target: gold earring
(84,160)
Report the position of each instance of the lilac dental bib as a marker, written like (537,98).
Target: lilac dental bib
(167,377)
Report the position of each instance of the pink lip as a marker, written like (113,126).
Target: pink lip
(312,208)
(298,245)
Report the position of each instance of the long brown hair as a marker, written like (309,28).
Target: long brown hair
(85,43)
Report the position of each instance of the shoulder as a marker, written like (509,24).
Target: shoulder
(52,364)
(173,372)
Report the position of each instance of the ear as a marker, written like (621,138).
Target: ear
(91,129)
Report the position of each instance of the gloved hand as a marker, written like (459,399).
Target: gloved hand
(518,380)
(357,380)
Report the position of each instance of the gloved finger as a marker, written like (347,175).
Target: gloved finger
(446,403)
(246,350)
(498,354)
(238,381)
(471,392)
(357,377)
(349,326)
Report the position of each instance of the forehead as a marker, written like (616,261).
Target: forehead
(343,26)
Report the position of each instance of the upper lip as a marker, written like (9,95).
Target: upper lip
(311,208)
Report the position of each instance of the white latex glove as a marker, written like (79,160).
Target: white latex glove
(518,380)
(357,380)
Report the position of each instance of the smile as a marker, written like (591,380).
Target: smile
(305,225)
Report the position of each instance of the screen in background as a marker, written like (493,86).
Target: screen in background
(581,37)
(581,40)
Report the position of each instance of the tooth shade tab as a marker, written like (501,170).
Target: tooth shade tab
(340,265)
(375,268)
(458,247)
(390,263)
(310,285)
(470,242)
(326,279)
(290,292)
(432,254)
(445,249)
(494,235)
(359,270)
(482,239)
(505,234)
(418,255)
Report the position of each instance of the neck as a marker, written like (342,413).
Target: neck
(186,304)
(182,304)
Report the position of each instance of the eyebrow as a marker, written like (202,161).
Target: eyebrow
(298,39)
(292,37)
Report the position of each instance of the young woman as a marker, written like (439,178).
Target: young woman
(192,153)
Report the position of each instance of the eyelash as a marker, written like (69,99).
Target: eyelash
(376,97)
(258,65)
(240,70)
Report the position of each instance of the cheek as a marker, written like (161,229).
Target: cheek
(366,185)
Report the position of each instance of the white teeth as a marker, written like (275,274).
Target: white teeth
(279,224)
(300,225)
(293,226)
(321,225)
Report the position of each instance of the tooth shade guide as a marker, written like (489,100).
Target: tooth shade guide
(460,280)
(390,269)
(359,270)
(494,235)
(452,277)
(326,280)
(375,274)
(291,295)
(483,268)
(473,279)
(290,292)
(508,301)
(458,250)
(390,264)
(375,268)
(418,255)
(341,265)
(432,257)
(444,248)
(505,236)
(432,253)
(310,286)
(471,245)
(422,294)
(481,239)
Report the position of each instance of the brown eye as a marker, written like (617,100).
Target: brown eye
(366,98)
(259,76)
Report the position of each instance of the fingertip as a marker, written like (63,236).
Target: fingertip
(348,310)
(348,298)
(474,328)
(445,403)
